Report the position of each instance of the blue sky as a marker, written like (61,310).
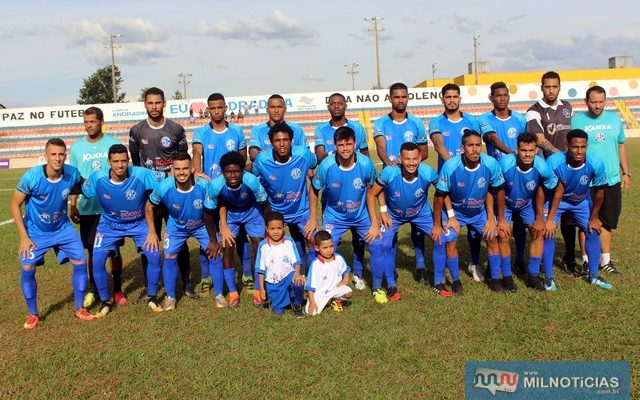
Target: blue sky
(271,46)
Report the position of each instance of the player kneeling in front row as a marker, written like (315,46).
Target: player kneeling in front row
(44,189)
(576,170)
(238,200)
(278,264)
(328,277)
(526,176)
(405,196)
(467,179)
(122,192)
(183,195)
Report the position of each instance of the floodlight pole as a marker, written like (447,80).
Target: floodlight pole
(111,46)
(184,80)
(476,43)
(376,29)
(351,70)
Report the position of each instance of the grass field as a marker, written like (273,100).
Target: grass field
(415,348)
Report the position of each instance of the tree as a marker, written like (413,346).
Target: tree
(142,92)
(96,89)
(177,95)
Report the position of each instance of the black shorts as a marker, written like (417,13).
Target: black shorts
(88,226)
(611,206)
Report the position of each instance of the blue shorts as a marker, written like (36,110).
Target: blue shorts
(107,237)
(297,223)
(65,242)
(525,215)
(474,224)
(280,294)
(173,240)
(338,228)
(422,222)
(251,219)
(581,212)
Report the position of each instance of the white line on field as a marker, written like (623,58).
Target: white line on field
(7,222)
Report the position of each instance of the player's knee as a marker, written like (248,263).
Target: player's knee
(29,267)
(77,262)
(170,256)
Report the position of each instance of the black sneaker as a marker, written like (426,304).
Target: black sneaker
(519,268)
(188,291)
(534,282)
(154,304)
(297,311)
(608,267)
(143,298)
(569,267)
(457,288)
(104,308)
(421,276)
(508,285)
(496,286)
(584,271)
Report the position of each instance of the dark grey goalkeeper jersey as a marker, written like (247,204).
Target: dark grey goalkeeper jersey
(154,148)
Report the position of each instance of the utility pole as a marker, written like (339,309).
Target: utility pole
(476,43)
(351,70)
(376,29)
(434,68)
(184,81)
(111,46)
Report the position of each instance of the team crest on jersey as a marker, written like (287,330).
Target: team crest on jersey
(566,113)
(231,145)
(148,163)
(512,132)
(599,137)
(45,218)
(243,196)
(296,173)
(130,195)
(408,136)
(531,185)
(95,165)
(419,193)
(65,193)
(358,184)
(197,204)
(165,141)
(481,182)
(584,180)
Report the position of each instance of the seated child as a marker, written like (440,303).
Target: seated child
(278,265)
(328,277)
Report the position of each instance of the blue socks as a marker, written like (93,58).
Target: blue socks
(439,262)
(534,265)
(79,284)
(153,272)
(417,239)
(505,266)
(494,265)
(230,278)
(204,266)
(170,272)
(100,274)
(547,257)
(30,290)
(243,247)
(217,275)
(592,246)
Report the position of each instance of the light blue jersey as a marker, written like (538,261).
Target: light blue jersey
(520,186)
(344,190)
(286,184)
(186,209)
(396,133)
(507,130)
(407,200)
(89,158)
(259,136)
(452,132)
(576,181)
(244,198)
(46,199)
(324,136)
(216,144)
(605,134)
(122,202)
(468,188)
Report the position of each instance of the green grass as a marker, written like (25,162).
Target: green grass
(415,348)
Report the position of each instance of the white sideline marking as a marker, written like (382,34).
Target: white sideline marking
(6,222)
